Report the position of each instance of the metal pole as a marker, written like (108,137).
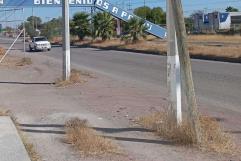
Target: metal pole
(10,47)
(66,40)
(173,68)
(33,19)
(145,8)
(24,35)
(92,24)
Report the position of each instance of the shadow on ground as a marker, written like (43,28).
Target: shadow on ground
(31,128)
(27,83)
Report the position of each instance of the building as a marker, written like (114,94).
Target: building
(217,22)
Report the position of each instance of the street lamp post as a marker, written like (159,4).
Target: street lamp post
(66,40)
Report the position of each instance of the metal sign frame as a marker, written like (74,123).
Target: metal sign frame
(103,5)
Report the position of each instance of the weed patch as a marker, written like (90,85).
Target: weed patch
(86,140)
(30,148)
(24,62)
(2,51)
(213,137)
(76,77)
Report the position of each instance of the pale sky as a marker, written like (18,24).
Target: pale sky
(189,7)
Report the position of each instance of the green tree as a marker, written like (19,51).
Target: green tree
(52,28)
(135,30)
(231,9)
(31,25)
(35,21)
(189,22)
(155,15)
(103,25)
(80,25)
(29,29)
(143,12)
(158,16)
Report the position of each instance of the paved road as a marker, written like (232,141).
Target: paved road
(217,83)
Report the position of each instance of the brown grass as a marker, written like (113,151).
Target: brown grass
(215,38)
(15,62)
(75,78)
(34,156)
(56,40)
(4,113)
(213,137)
(86,140)
(24,61)
(157,46)
(2,51)
(223,51)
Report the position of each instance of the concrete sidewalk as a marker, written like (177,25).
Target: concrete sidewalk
(11,146)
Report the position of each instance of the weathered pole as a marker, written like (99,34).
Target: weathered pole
(66,40)
(186,71)
(173,69)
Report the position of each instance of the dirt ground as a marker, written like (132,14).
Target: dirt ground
(110,105)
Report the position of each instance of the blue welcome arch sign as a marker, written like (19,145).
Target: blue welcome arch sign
(100,4)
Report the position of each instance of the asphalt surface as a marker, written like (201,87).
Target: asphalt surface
(217,83)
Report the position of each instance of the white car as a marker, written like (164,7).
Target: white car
(39,44)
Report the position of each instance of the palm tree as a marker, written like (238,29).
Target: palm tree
(103,25)
(80,25)
(135,30)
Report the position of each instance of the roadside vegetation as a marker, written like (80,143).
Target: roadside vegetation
(24,61)
(4,112)
(100,31)
(76,77)
(213,138)
(103,26)
(16,62)
(135,29)
(80,25)
(2,51)
(86,140)
(34,156)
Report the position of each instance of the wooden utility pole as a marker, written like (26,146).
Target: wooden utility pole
(173,69)
(186,71)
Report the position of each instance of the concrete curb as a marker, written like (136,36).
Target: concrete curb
(11,145)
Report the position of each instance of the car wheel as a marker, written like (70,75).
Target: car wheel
(49,49)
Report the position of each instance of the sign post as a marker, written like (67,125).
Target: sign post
(66,40)
(173,68)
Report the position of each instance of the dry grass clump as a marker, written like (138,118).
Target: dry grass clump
(223,51)
(34,156)
(24,61)
(2,51)
(142,45)
(4,113)
(86,140)
(75,78)
(213,137)
(215,38)
(156,46)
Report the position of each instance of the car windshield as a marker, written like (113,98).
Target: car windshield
(40,39)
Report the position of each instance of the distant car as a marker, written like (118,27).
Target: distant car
(39,44)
